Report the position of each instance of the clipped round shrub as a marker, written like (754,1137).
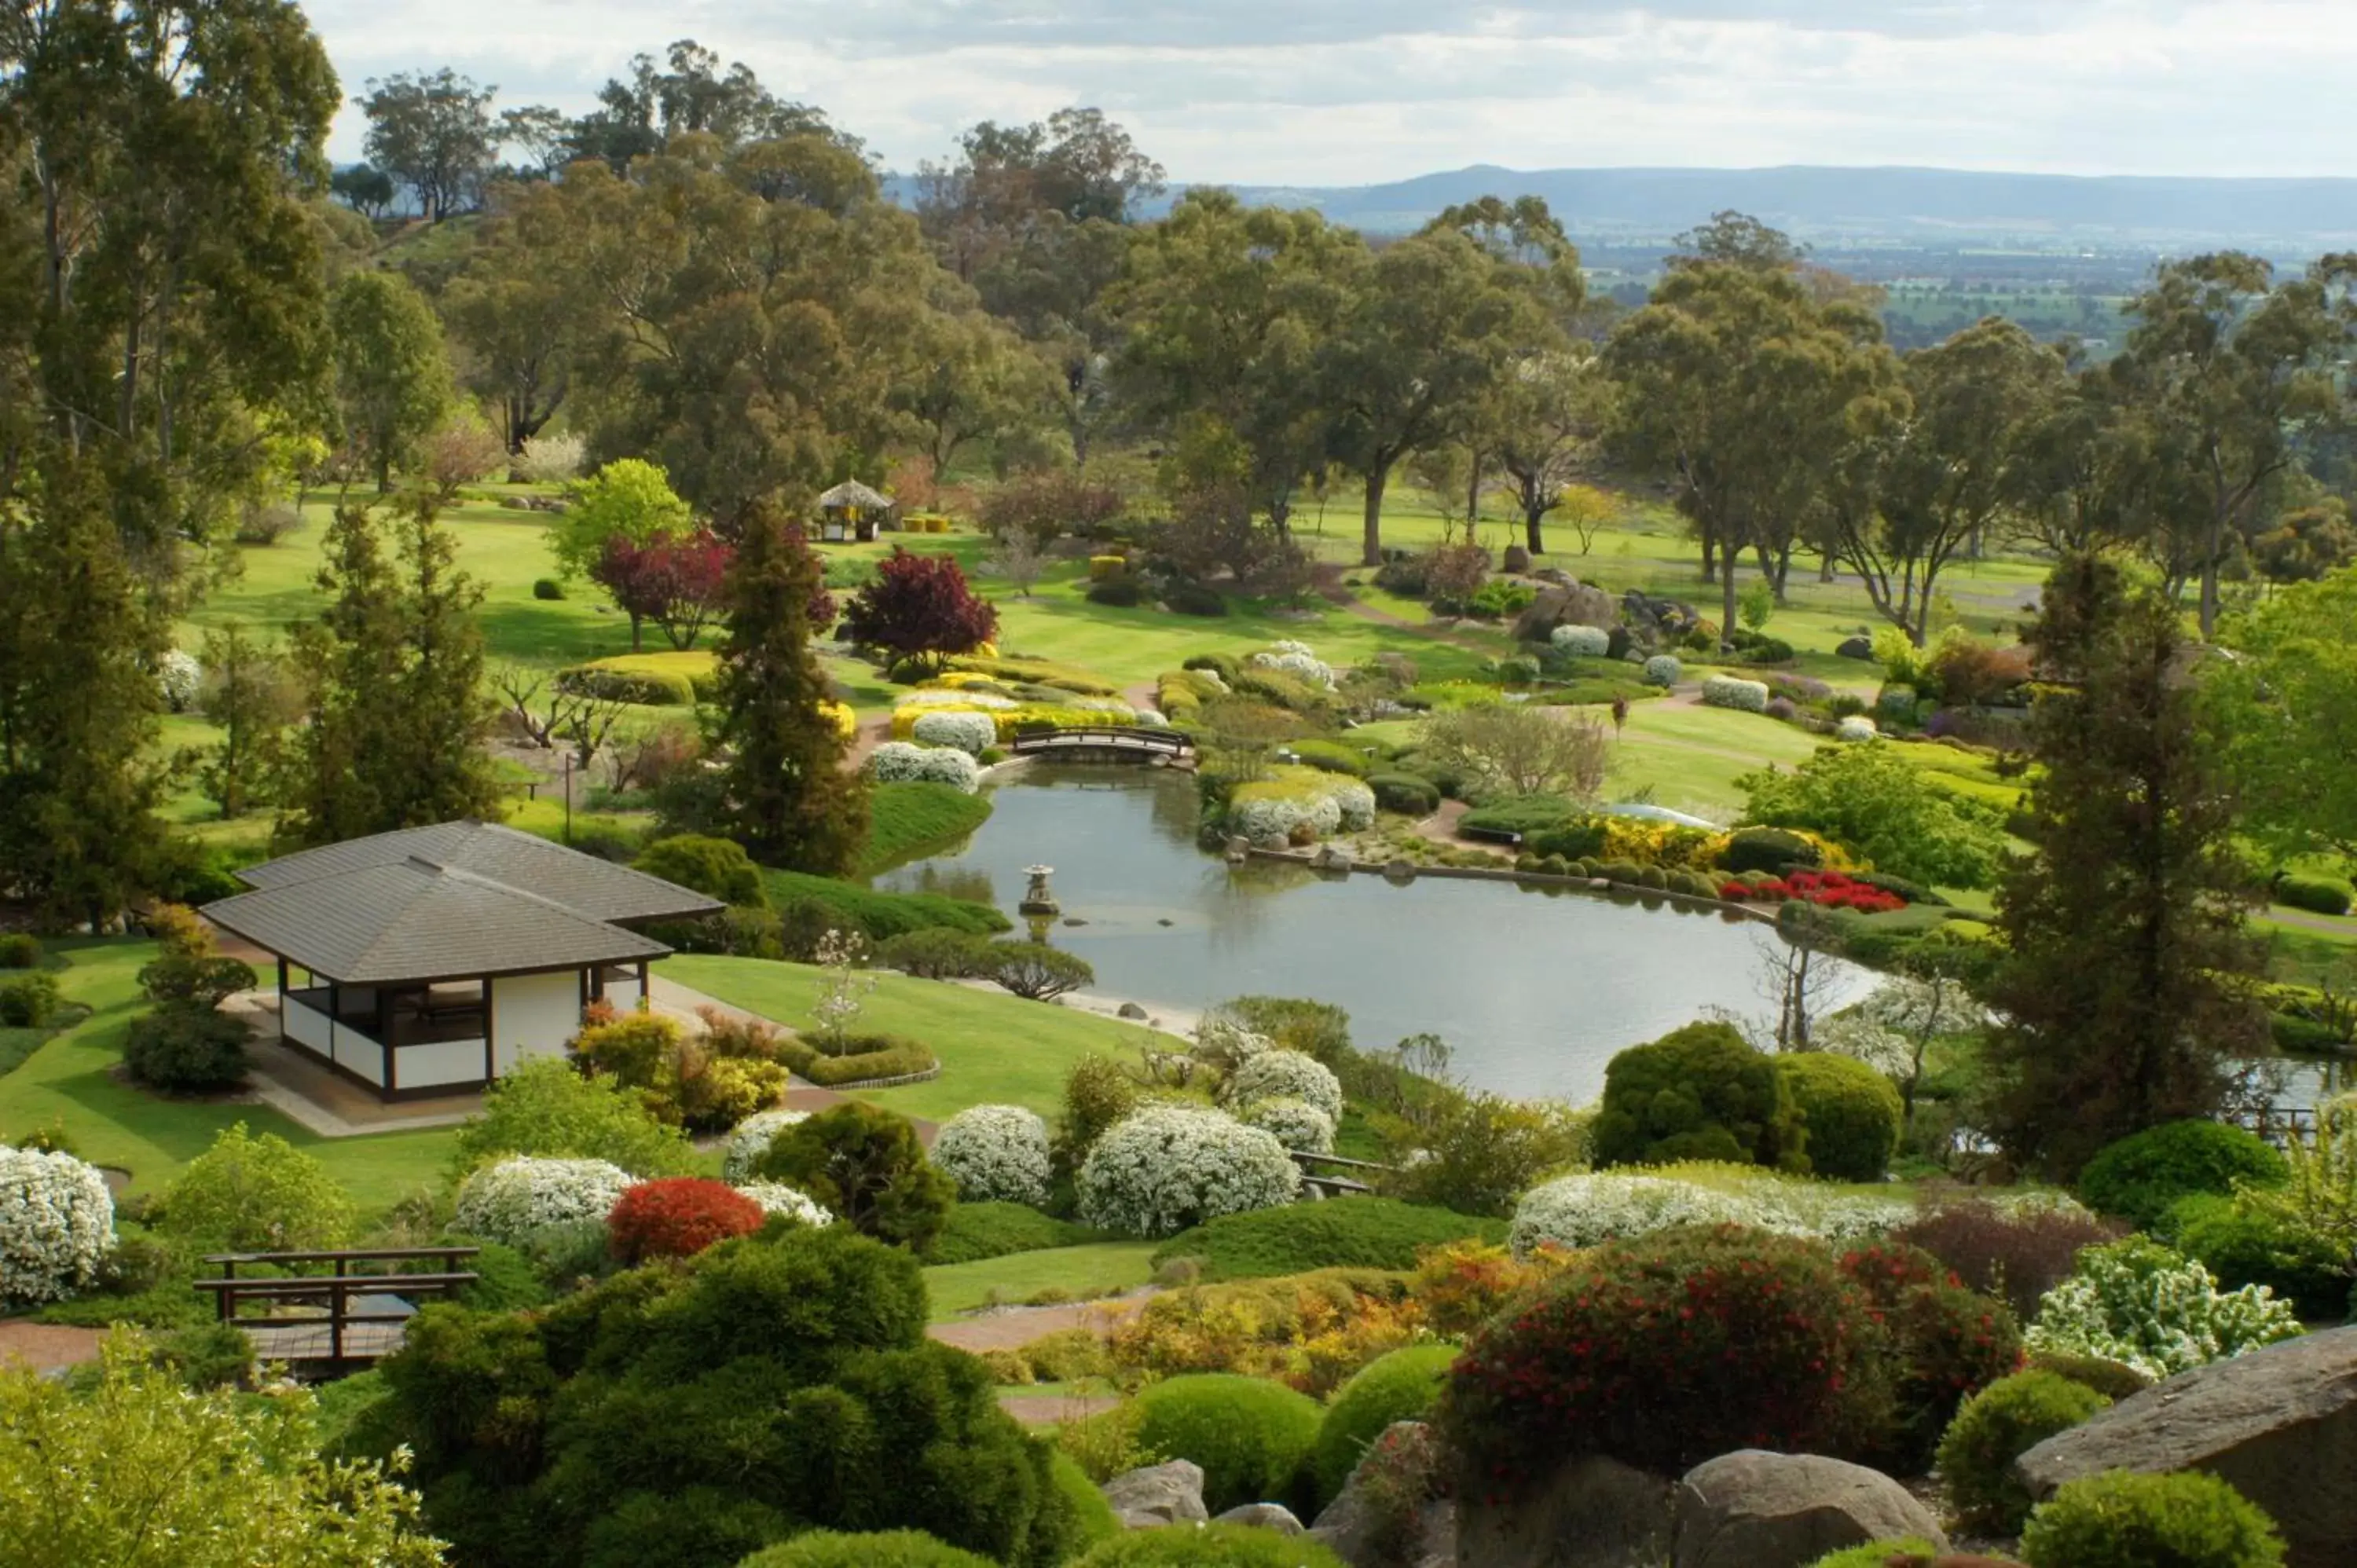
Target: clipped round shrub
(971,733)
(1773,850)
(1167,1168)
(2243,1247)
(1403,1385)
(1285,1074)
(1733,692)
(898,762)
(57,1225)
(868,1168)
(508,1200)
(2140,1177)
(778,1199)
(1209,1546)
(2116,1381)
(2316,895)
(1581,641)
(881,1549)
(1856,728)
(547,589)
(750,1139)
(1879,1553)
(1896,704)
(20,950)
(1296,1124)
(677,1216)
(1405,792)
(2144,1304)
(995,1154)
(1851,1112)
(186,1050)
(716,867)
(2119,1519)
(1696,1093)
(1999,1425)
(1663,670)
(1251,1437)
(1628,1353)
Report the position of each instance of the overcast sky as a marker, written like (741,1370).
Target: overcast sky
(1356,92)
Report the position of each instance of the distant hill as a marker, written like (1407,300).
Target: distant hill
(1916,207)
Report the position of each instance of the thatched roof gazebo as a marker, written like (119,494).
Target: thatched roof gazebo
(851,510)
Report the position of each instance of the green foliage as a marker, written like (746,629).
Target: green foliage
(1251,1437)
(253,1194)
(1879,1553)
(1318,1029)
(1772,850)
(1209,1546)
(1037,972)
(208,1356)
(2121,1520)
(611,683)
(1097,1093)
(1093,1519)
(627,497)
(2142,1177)
(504,1280)
(2116,1381)
(1875,803)
(1330,757)
(1483,1151)
(28,1001)
(974,1231)
(103,1476)
(183,1051)
(879,916)
(1698,1093)
(866,1165)
(1404,1385)
(2319,894)
(1365,1232)
(907,820)
(20,950)
(717,868)
(391,378)
(1999,1425)
(864,1059)
(545,1107)
(1408,793)
(881,1549)
(2289,697)
(1851,1112)
(2244,1245)
(937,952)
(1524,814)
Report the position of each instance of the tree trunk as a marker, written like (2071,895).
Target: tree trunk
(1710,556)
(637,621)
(1829,566)
(1533,540)
(1473,494)
(1378,475)
(1726,601)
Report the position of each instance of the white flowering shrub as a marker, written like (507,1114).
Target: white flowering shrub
(970,733)
(750,1139)
(1732,692)
(777,1197)
(1272,817)
(1583,1210)
(507,1201)
(2141,1303)
(1664,669)
(1147,718)
(1170,1167)
(1356,804)
(939,697)
(1228,1044)
(178,676)
(1295,659)
(552,459)
(898,762)
(1285,1074)
(1212,677)
(1583,641)
(1296,1124)
(1857,728)
(57,1225)
(995,1154)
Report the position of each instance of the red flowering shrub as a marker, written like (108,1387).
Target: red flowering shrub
(1670,1350)
(1830,888)
(1949,1343)
(677,1217)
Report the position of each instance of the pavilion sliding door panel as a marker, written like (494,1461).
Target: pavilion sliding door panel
(537,1014)
(444,1062)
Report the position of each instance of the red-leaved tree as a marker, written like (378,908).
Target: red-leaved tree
(919,607)
(678,1217)
(674,582)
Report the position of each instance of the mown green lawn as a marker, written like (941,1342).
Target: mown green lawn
(69,1081)
(1099,1267)
(996,1049)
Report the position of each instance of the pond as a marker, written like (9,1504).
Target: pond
(1533,990)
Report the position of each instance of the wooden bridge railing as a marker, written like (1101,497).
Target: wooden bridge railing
(332,1293)
(1107,738)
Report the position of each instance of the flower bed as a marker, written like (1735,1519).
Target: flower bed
(1578,1212)
(1832,889)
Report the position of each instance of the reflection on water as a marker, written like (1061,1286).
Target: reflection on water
(1534,990)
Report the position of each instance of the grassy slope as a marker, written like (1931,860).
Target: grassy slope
(113,1123)
(1096,1269)
(995,1048)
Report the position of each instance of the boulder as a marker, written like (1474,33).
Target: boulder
(1592,1512)
(1262,1516)
(1657,623)
(1131,1010)
(1514,561)
(1855,647)
(1574,604)
(1757,1509)
(1355,1530)
(2279,1424)
(1158,1495)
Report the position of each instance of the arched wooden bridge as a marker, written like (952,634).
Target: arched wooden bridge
(1107,743)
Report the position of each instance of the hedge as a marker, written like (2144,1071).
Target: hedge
(2316,895)
(877,915)
(1361,1232)
(877,1057)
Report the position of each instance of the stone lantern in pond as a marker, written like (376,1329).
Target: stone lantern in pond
(1038,899)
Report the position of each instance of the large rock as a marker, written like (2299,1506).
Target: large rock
(1855,647)
(1574,603)
(1158,1495)
(1593,1512)
(2278,1424)
(1364,1536)
(1757,1509)
(1262,1516)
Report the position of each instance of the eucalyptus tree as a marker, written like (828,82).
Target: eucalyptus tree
(435,134)
(393,380)
(516,312)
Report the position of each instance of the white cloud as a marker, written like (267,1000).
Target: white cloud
(1346,91)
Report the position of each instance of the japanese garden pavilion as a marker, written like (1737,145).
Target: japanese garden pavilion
(433,960)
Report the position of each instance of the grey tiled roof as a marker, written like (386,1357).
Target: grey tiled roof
(583,883)
(455,899)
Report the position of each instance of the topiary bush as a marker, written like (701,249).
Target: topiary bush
(974,1231)
(937,952)
(716,867)
(1404,1385)
(1037,972)
(1731,692)
(1879,1553)
(1698,1093)
(1209,1546)
(2243,1246)
(971,733)
(867,1166)
(678,1217)
(879,1548)
(2118,1519)
(510,1200)
(20,950)
(2116,1381)
(995,1154)
(185,1050)
(2142,1176)
(2142,1304)
(899,762)
(1365,1233)
(1773,850)
(1166,1167)
(28,1000)
(1581,641)
(1405,792)
(1663,670)
(1851,1112)
(57,1225)
(1627,1352)
(1251,1437)
(1285,1074)
(1999,1425)
(2318,895)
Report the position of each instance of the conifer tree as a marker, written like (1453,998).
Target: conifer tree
(246,698)
(783,791)
(2124,995)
